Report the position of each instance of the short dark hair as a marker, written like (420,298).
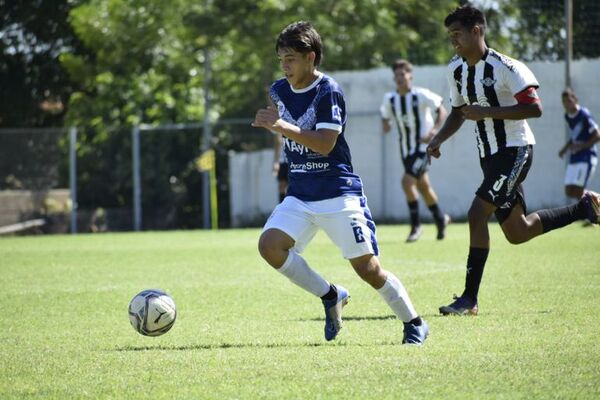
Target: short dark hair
(302,37)
(403,65)
(468,16)
(568,91)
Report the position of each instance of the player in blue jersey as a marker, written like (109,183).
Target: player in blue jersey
(499,94)
(584,134)
(323,192)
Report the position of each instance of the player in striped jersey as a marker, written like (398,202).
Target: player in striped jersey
(499,94)
(412,109)
(583,135)
(324,192)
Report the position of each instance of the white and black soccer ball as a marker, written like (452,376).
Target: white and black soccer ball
(152,312)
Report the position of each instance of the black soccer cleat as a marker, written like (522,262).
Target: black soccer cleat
(441,227)
(591,203)
(462,305)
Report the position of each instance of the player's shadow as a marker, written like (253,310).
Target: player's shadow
(217,346)
(356,318)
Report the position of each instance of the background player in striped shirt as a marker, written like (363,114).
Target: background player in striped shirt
(499,93)
(323,192)
(583,135)
(412,109)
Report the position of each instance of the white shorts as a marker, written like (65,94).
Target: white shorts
(346,220)
(579,174)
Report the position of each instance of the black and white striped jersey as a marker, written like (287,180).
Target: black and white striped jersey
(413,114)
(492,82)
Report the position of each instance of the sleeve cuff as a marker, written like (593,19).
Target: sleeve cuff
(333,127)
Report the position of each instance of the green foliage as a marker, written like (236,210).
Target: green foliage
(244,331)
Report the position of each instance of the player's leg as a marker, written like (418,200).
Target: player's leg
(519,228)
(409,185)
(286,233)
(394,294)
(353,231)
(479,248)
(431,199)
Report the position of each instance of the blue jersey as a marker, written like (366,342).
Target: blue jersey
(581,128)
(314,176)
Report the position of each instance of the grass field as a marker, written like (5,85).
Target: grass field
(243,331)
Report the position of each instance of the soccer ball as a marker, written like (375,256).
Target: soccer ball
(152,312)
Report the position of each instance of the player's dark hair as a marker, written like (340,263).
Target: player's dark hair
(403,65)
(468,16)
(302,37)
(569,91)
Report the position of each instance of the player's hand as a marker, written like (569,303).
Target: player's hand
(474,112)
(275,168)
(576,147)
(561,153)
(266,118)
(433,149)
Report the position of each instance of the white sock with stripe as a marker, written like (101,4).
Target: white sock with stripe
(298,271)
(395,295)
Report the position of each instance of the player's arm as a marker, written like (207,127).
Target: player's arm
(577,147)
(528,106)
(451,125)
(441,115)
(385,125)
(321,140)
(564,149)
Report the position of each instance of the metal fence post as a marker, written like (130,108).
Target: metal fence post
(73,177)
(137,185)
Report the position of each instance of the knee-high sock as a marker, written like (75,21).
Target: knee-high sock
(298,271)
(395,296)
(413,209)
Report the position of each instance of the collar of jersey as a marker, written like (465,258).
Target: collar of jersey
(575,113)
(312,85)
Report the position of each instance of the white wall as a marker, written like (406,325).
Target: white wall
(456,175)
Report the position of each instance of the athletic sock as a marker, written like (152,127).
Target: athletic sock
(438,216)
(331,295)
(475,264)
(395,296)
(413,209)
(554,218)
(298,271)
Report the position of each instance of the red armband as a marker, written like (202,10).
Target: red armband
(527,96)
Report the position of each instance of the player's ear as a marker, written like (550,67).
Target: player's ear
(312,57)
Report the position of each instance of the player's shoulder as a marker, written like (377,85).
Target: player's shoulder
(389,95)
(330,84)
(499,60)
(279,84)
(422,91)
(585,112)
(455,62)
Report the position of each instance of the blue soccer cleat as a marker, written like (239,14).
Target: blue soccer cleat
(415,334)
(333,312)
(462,305)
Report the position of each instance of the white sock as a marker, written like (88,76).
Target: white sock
(395,295)
(298,271)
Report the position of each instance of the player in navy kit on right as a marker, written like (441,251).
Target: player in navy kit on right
(323,192)
(583,135)
(499,93)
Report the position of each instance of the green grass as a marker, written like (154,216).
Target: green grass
(244,331)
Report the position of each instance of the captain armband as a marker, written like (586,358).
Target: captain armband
(527,96)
